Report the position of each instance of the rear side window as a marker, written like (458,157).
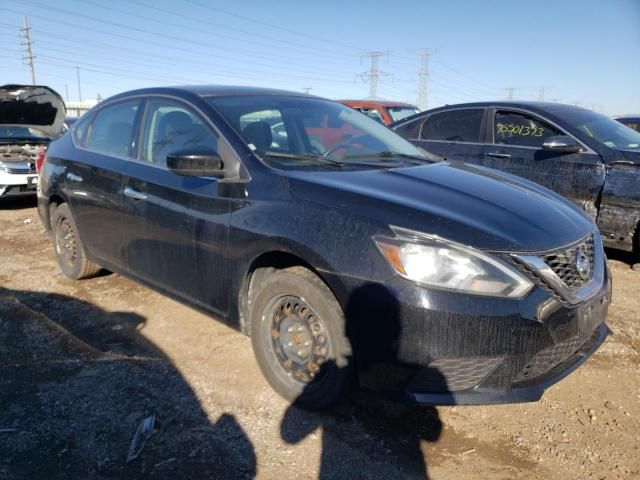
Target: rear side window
(454,126)
(112,129)
(519,129)
(632,124)
(80,129)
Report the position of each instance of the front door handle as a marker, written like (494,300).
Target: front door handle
(497,155)
(136,195)
(73,177)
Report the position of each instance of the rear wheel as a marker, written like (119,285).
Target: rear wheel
(68,247)
(298,337)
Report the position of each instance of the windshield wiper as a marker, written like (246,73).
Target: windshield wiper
(303,156)
(388,154)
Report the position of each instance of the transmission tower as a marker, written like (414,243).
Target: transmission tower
(510,91)
(541,94)
(307,89)
(28,54)
(423,86)
(374,74)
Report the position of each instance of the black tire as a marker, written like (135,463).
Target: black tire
(68,247)
(312,366)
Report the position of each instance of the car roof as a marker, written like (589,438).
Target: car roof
(211,91)
(381,103)
(531,105)
(552,108)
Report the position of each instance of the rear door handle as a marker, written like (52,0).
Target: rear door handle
(73,177)
(136,195)
(497,155)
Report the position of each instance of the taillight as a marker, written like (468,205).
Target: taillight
(41,156)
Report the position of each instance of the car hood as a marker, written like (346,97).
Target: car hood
(476,206)
(32,106)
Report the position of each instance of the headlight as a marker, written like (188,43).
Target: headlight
(433,261)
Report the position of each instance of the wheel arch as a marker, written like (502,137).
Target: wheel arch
(53,201)
(261,265)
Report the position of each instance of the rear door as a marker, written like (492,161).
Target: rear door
(453,134)
(515,146)
(176,226)
(94,179)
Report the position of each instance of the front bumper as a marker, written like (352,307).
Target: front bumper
(436,347)
(12,183)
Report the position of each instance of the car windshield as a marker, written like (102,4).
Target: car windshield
(398,113)
(294,132)
(18,131)
(606,131)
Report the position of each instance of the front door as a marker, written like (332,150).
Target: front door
(516,147)
(453,134)
(176,226)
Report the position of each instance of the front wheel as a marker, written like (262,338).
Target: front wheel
(298,337)
(68,247)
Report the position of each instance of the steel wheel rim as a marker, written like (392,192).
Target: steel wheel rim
(298,338)
(66,245)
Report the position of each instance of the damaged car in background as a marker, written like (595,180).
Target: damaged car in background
(586,157)
(348,259)
(30,117)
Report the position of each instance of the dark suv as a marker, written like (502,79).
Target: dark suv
(587,157)
(344,252)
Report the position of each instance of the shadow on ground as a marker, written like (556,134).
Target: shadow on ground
(75,384)
(621,256)
(18,202)
(371,426)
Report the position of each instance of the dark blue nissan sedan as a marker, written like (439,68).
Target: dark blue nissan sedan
(344,252)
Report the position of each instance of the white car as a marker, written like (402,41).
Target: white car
(30,117)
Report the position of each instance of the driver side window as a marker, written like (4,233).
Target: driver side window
(169,127)
(520,130)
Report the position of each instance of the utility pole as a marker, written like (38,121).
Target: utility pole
(28,57)
(510,91)
(79,91)
(373,75)
(423,86)
(307,89)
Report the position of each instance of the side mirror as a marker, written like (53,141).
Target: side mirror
(195,162)
(561,143)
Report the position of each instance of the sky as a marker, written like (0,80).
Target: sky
(580,52)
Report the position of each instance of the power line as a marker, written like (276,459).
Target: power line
(180,49)
(246,38)
(27,46)
(303,34)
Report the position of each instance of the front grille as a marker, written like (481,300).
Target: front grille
(453,374)
(564,264)
(19,171)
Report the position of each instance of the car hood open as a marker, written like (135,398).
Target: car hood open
(32,106)
(472,205)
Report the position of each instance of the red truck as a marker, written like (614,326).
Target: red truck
(383,111)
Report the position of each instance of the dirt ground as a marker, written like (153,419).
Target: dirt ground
(82,364)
